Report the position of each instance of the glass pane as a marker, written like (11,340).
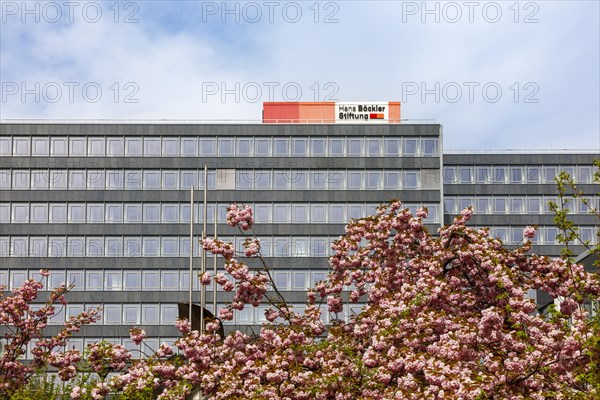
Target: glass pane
(40,147)
(170,147)
(299,147)
(77,146)
(244,146)
(133,146)
(430,147)
(318,147)
(151,147)
(336,147)
(189,147)
(39,179)
(355,146)
(226,147)
(115,147)
(96,146)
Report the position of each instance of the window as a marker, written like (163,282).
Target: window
(96,146)
(58,213)
(170,212)
(75,278)
(131,314)
(170,147)
(411,180)
(450,175)
(5,213)
(132,213)
(20,212)
(281,180)
(355,180)
(482,174)
(318,180)
(113,247)
(516,175)
(77,179)
(112,314)
(533,205)
(77,146)
(281,147)
(355,146)
(188,179)
(299,179)
(208,147)
(151,147)
(5,178)
(132,280)
(392,180)
(133,179)
(114,180)
(299,280)
(40,147)
(281,213)
(450,205)
(410,147)
(113,280)
(58,179)
(170,246)
(95,212)
(189,147)
(337,213)
(19,246)
(4,252)
(21,146)
(93,280)
(20,179)
(318,147)
(262,179)
(499,174)
(482,205)
(373,147)
(5,146)
(95,246)
(300,213)
(262,146)
(170,180)
(584,175)
(336,147)
(318,213)
(373,180)
(244,146)
(39,179)
(95,178)
(499,205)
(133,146)
(151,246)
(169,280)
(430,147)
(299,147)
(115,147)
(151,212)
(516,205)
(39,212)
(262,213)
(151,180)
(226,147)
(282,280)
(533,175)
(168,314)
(356,211)
(465,174)
(149,314)
(57,246)
(114,213)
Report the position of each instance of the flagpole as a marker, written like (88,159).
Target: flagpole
(191,251)
(215,268)
(203,270)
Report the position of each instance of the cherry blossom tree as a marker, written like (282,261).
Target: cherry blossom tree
(445,316)
(22,323)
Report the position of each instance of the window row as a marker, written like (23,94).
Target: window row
(264,213)
(19,179)
(151,246)
(135,280)
(354,146)
(545,235)
(514,204)
(100,179)
(515,174)
(150,346)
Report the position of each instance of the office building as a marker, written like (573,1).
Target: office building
(106,205)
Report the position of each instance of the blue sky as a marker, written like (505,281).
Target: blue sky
(497,75)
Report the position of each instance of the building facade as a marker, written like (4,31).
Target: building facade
(106,206)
